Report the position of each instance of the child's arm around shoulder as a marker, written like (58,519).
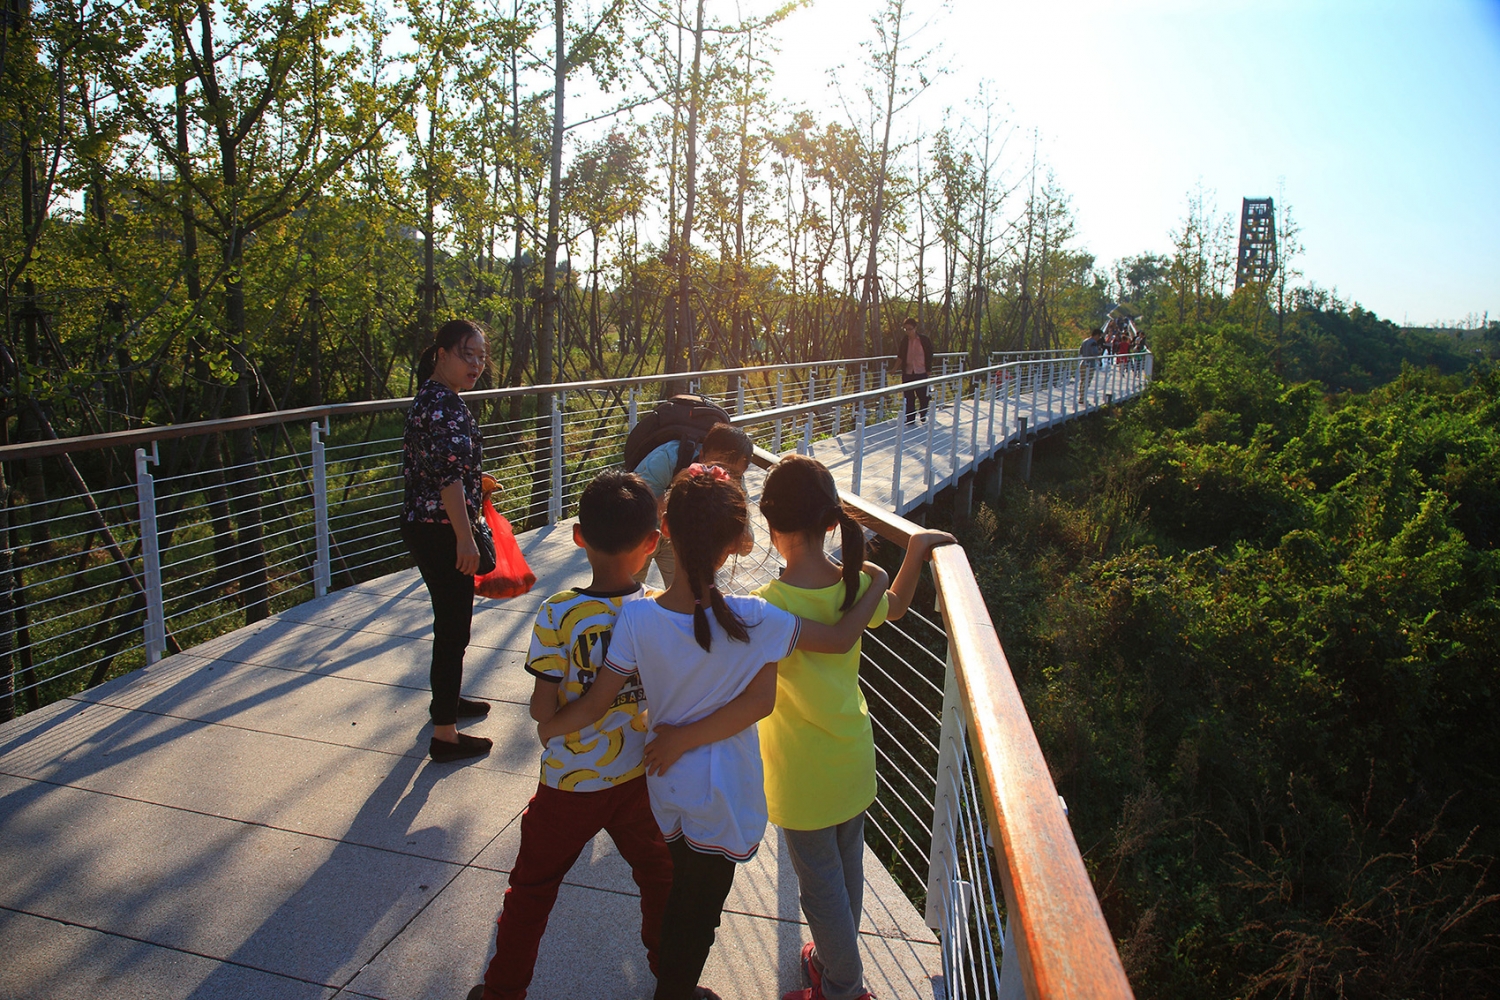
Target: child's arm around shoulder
(815,637)
(591,706)
(583,712)
(746,709)
(918,548)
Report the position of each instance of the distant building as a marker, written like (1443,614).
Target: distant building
(1257,260)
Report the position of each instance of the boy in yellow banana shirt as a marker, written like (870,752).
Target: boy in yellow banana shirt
(593,779)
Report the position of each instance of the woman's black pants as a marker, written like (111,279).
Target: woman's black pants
(435,548)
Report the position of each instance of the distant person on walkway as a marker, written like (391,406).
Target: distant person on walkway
(817,745)
(593,775)
(441,521)
(1090,351)
(707,666)
(726,446)
(915,354)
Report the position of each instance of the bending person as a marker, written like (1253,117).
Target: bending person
(441,454)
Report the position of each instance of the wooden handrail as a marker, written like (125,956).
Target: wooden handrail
(1058,931)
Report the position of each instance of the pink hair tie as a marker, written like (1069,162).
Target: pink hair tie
(698,468)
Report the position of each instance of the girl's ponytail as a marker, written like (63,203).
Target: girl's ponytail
(800,498)
(705,515)
(851,554)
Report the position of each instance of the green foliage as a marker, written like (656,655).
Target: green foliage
(1254,629)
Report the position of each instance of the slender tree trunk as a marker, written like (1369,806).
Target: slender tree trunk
(686,335)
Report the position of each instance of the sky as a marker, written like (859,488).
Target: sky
(1377,122)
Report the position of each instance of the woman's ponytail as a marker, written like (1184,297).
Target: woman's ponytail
(851,554)
(426,364)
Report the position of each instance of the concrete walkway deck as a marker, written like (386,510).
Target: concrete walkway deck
(257,818)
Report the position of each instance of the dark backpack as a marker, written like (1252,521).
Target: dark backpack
(685,418)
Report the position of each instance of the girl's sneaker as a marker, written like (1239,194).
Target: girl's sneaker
(810,972)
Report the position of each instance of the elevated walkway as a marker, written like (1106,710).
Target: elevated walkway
(257,818)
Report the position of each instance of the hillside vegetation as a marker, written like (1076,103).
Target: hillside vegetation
(1255,627)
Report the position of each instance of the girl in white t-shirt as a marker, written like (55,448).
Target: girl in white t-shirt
(707,664)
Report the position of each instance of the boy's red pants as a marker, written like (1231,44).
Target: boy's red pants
(555,828)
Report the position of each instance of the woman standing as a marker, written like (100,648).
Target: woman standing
(440,458)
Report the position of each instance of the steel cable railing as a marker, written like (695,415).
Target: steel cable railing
(107,580)
(231,536)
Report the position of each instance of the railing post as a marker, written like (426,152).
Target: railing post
(931,440)
(885,378)
(1035,391)
(1051,387)
(838,411)
(554,503)
(994,390)
(322,568)
(630,412)
(942,864)
(776,436)
(156,612)
(812,396)
(900,454)
(739,397)
(974,425)
(958,399)
(804,447)
(859,446)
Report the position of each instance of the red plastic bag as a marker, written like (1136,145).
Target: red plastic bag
(511,576)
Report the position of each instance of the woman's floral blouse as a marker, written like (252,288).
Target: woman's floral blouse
(442,443)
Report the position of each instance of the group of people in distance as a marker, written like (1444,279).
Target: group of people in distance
(678,721)
(1118,337)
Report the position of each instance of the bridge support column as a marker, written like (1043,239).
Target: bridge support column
(1025,439)
(993,478)
(963,499)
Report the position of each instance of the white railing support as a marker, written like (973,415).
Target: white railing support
(931,440)
(322,566)
(554,502)
(974,424)
(776,432)
(900,454)
(941,860)
(838,411)
(859,447)
(630,411)
(739,396)
(958,401)
(156,613)
(993,390)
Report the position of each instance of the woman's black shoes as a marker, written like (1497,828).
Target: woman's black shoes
(472,709)
(467,746)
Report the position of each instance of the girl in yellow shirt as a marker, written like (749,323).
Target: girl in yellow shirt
(817,745)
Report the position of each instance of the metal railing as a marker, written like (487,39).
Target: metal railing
(246,516)
(966,819)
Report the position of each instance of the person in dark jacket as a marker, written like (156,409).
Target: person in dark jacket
(441,453)
(915,354)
